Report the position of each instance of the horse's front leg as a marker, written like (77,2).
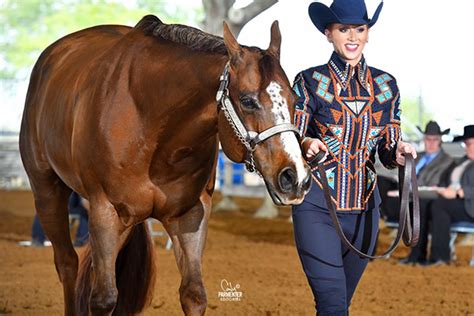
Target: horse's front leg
(107,236)
(188,233)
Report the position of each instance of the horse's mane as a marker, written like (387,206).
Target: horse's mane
(191,37)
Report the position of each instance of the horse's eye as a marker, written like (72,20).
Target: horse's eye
(248,103)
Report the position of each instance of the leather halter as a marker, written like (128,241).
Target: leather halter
(407,176)
(250,139)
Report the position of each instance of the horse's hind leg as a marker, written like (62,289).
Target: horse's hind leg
(51,197)
(188,233)
(107,235)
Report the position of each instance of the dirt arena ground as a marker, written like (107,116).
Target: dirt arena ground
(256,254)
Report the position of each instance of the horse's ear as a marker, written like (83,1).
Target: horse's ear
(275,41)
(233,47)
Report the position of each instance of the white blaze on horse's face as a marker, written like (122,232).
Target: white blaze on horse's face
(289,140)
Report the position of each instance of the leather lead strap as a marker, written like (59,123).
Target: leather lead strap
(407,176)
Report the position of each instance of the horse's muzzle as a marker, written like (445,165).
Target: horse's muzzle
(288,181)
(288,189)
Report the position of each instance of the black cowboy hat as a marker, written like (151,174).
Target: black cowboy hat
(343,12)
(468,133)
(432,128)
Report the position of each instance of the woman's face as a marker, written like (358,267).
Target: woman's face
(348,40)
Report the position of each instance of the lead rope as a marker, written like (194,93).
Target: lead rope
(407,176)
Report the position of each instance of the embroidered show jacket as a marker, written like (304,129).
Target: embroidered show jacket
(355,112)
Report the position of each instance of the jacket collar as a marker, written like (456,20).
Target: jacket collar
(343,71)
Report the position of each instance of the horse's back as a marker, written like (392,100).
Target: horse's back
(48,117)
(68,57)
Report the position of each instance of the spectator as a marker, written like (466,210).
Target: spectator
(456,203)
(79,206)
(430,166)
(38,237)
(76,205)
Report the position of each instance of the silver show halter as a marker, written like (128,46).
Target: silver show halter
(250,139)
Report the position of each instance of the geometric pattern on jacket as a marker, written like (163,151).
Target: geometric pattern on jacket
(355,112)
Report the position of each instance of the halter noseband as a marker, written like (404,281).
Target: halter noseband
(250,139)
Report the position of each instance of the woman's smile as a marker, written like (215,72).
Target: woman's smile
(352,47)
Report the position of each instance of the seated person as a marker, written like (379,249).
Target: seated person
(76,205)
(456,203)
(431,164)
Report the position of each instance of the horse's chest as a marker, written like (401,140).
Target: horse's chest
(183,173)
(183,165)
(180,162)
(182,156)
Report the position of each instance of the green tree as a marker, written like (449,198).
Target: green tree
(27,27)
(413,114)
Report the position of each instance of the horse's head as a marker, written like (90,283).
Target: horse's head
(261,95)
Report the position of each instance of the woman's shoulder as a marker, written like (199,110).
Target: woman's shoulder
(379,73)
(311,71)
(382,79)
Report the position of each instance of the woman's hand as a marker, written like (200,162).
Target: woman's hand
(312,146)
(402,149)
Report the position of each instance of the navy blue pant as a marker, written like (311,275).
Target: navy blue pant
(444,212)
(37,233)
(75,207)
(332,270)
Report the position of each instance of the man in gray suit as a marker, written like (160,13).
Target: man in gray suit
(456,202)
(431,164)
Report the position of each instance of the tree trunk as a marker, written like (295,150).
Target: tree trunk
(217,11)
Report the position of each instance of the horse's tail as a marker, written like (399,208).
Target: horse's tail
(134,273)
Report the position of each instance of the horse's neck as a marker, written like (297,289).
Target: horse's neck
(181,98)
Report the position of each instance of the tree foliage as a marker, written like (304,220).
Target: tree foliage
(27,27)
(413,114)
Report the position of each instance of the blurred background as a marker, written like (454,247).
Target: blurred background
(424,44)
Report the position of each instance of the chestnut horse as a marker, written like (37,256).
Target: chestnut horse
(127,117)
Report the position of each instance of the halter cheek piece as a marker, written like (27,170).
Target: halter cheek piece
(250,139)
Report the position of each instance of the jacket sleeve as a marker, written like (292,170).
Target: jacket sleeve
(467,182)
(387,144)
(445,178)
(305,104)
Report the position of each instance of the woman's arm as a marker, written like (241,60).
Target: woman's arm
(304,108)
(305,104)
(391,148)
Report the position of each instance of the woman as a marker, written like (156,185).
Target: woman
(350,111)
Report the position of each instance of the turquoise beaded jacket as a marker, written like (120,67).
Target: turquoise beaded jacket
(355,112)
